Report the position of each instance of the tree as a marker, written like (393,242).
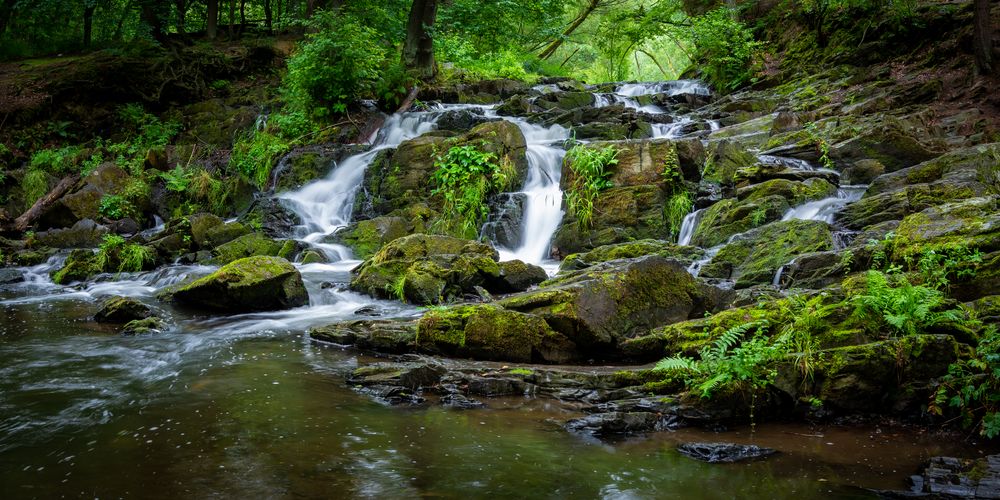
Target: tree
(212,23)
(88,21)
(418,49)
(983,36)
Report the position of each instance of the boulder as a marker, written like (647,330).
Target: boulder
(251,284)
(973,223)
(716,453)
(144,326)
(389,336)
(79,265)
(8,276)
(268,215)
(621,214)
(366,237)
(755,256)
(84,234)
(949,477)
(304,165)
(428,269)
(122,310)
(629,250)
(253,244)
(84,199)
(518,276)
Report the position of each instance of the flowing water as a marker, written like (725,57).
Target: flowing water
(249,406)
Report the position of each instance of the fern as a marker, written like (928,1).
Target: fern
(678,364)
(906,308)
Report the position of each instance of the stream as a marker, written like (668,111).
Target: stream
(249,405)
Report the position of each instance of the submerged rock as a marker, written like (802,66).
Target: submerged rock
(390,336)
(959,478)
(144,326)
(715,453)
(122,310)
(8,276)
(250,284)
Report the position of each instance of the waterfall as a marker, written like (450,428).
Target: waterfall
(688,225)
(826,208)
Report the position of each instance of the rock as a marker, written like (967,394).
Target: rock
(201,224)
(222,234)
(972,223)
(427,269)
(398,179)
(80,265)
(389,336)
(565,100)
(84,199)
(629,250)
(598,308)
(9,276)
(270,216)
(863,172)
(145,326)
(368,236)
(715,453)
(724,159)
(760,172)
(621,214)
(250,284)
(517,276)
(313,257)
(122,310)
(84,234)
(493,333)
(503,225)
(960,478)
(461,120)
(887,142)
(412,375)
(496,386)
(754,257)
(306,164)
(126,226)
(460,402)
(615,423)
(253,244)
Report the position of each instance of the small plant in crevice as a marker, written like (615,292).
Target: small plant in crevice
(114,207)
(680,201)
(464,177)
(592,176)
(822,146)
(892,303)
(255,154)
(115,254)
(799,336)
(972,387)
(939,268)
(758,216)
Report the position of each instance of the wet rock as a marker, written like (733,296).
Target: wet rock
(411,375)
(496,386)
(389,336)
(460,402)
(565,100)
(615,423)
(84,199)
(960,478)
(313,257)
(126,226)
(517,276)
(392,395)
(621,214)
(863,172)
(273,218)
(145,326)
(122,310)
(8,276)
(503,225)
(304,165)
(715,453)
(461,120)
(633,249)
(79,265)
(200,225)
(251,245)
(754,257)
(366,237)
(761,172)
(250,284)
(84,234)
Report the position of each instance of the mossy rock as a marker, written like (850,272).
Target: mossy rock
(725,158)
(80,265)
(388,336)
(630,250)
(144,326)
(754,257)
(200,225)
(601,306)
(518,276)
(973,223)
(253,244)
(621,214)
(84,234)
(122,310)
(259,283)
(367,237)
(491,332)
(732,216)
(84,199)
(565,100)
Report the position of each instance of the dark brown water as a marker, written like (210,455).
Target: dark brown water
(249,407)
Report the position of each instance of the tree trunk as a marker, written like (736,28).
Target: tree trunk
(232,18)
(6,14)
(151,17)
(243,15)
(983,36)
(418,50)
(268,20)
(181,6)
(552,47)
(212,23)
(310,8)
(88,23)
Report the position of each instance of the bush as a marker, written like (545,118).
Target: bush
(727,51)
(973,387)
(465,177)
(57,160)
(253,157)
(115,254)
(114,207)
(336,64)
(901,307)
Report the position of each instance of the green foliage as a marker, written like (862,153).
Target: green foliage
(338,62)
(56,161)
(758,216)
(972,386)
(939,268)
(114,253)
(727,50)
(216,194)
(142,131)
(35,184)
(464,177)
(799,336)
(177,180)
(822,146)
(892,303)
(677,207)
(254,156)
(731,363)
(592,176)
(114,207)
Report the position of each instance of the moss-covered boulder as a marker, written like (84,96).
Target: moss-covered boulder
(629,250)
(79,265)
(122,310)
(367,237)
(518,276)
(304,165)
(428,269)
(644,162)
(83,234)
(600,307)
(754,257)
(145,326)
(493,333)
(253,244)
(724,158)
(252,284)
(84,198)
(621,214)
(397,179)
(973,223)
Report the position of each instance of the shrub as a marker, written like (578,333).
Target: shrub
(973,387)
(114,253)
(338,62)
(177,180)
(726,48)
(254,156)
(592,176)
(35,184)
(465,177)
(56,160)
(901,307)
(114,207)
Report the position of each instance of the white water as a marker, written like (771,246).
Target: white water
(827,208)
(688,226)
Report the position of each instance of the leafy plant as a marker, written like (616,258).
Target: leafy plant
(114,253)
(114,206)
(901,307)
(726,48)
(464,177)
(972,386)
(799,335)
(758,216)
(730,363)
(177,180)
(56,161)
(254,156)
(940,267)
(677,207)
(35,184)
(592,176)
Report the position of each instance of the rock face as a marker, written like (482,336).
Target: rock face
(959,478)
(250,284)
(122,310)
(84,198)
(491,332)
(253,244)
(716,453)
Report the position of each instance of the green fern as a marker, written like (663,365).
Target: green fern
(906,308)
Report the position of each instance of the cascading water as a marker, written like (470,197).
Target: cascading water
(688,226)
(827,208)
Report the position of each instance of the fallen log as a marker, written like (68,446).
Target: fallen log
(25,220)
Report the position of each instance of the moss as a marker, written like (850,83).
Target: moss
(756,256)
(489,332)
(253,244)
(729,217)
(250,284)
(629,250)
(972,223)
(80,265)
(367,237)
